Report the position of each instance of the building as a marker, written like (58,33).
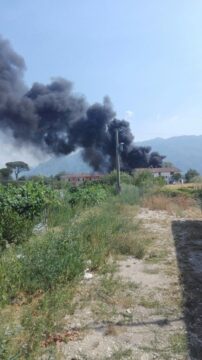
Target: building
(77,179)
(165,172)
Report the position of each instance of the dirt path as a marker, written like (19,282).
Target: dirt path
(136,312)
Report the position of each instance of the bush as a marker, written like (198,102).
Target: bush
(147,183)
(197,179)
(20,206)
(87,195)
(112,178)
(190,175)
(130,194)
(14,228)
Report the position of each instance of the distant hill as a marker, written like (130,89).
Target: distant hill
(70,164)
(183,151)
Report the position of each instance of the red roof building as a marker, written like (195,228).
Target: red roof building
(76,179)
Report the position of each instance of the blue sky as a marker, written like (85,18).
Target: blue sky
(145,54)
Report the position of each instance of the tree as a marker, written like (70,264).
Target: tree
(5,174)
(17,167)
(176,177)
(191,174)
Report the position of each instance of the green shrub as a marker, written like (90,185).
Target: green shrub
(28,199)
(14,228)
(190,175)
(130,194)
(87,195)
(59,212)
(20,206)
(143,179)
(112,178)
(147,183)
(197,179)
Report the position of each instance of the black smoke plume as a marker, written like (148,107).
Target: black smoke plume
(56,120)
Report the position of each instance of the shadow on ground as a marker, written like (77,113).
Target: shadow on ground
(188,241)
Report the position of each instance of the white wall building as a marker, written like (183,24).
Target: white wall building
(166,172)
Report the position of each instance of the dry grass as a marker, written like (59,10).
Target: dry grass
(184,186)
(171,205)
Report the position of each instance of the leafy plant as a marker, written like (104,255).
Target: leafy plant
(87,195)
(20,206)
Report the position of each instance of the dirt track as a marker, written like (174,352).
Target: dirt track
(138,312)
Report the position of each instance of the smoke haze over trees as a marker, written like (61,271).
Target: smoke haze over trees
(55,120)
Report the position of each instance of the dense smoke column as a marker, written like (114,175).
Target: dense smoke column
(156,160)
(91,133)
(54,119)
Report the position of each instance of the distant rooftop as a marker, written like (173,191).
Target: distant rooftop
(81,175)
(160,170)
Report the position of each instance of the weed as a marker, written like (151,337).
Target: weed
(154,257)
(109,285)
(130,195)
(178,343)
(149,302)
(24,329)
(121,354)
(41,264)
(108,268)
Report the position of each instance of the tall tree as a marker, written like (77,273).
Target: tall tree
(176,177)
(17,167)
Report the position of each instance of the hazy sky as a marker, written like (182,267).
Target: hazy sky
(145,54)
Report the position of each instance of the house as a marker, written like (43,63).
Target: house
(77,179)
(165,172)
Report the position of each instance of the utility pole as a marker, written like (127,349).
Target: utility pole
(118,181)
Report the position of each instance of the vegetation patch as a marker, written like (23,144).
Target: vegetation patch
(40,277)
(20,208)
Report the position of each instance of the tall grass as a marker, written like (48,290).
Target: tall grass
(130,195)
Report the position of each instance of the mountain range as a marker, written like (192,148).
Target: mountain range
(72,163)
(184,152)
